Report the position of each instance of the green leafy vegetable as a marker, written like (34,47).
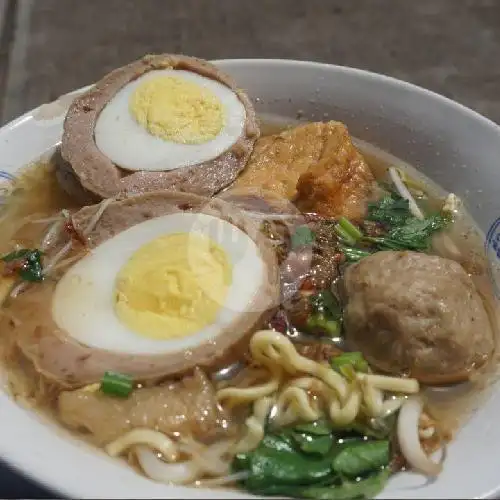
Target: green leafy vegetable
(307,461)
(349,490)
(117,384)
(405,232)
(415,234)
(361,458)
(371,428)
(268,466)
(16,255)
(325,303)
(354,254)
(326,314)
(317,428)
(313,444)
(241,462)
(354,359)
(302,236)
(26,263)
(280,442)
(392,210)
(379,427)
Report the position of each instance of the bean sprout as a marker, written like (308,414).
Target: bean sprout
(409,439)
(153,439)
(66,248)
(405,193)
(52,234)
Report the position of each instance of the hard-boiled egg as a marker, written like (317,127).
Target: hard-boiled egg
(167,119)
(167,284)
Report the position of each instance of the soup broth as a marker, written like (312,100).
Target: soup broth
(37,201)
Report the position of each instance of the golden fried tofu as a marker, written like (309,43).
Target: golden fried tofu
(340,183)
(315,165)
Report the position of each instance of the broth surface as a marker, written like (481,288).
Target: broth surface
(37,197)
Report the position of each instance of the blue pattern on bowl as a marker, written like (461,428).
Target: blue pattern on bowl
(6,184)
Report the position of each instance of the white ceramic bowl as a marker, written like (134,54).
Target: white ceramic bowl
(453,145)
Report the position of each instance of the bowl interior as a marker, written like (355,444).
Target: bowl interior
(452,145)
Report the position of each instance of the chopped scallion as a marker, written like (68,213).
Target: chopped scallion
(350,229)
(330,327)
(117,384)
(352,359)
(354,254)
(26,263)
(344,235)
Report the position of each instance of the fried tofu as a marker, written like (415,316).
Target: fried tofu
(340,183)
(315,165)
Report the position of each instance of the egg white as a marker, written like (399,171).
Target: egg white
(83,301)
(130,146)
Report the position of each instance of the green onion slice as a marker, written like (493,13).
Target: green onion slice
(117,384)
(348,231)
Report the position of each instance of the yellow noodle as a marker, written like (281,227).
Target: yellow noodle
(297,400)
(373,399)
(209,458)
(346,414)
(255,425)
(154,439)
(287,410)
(233,396)
(391,384)
(340,399)
(270,348)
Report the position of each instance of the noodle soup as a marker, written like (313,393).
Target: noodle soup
(320,323)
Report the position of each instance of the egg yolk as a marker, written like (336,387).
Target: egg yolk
(173,286)
(177,110)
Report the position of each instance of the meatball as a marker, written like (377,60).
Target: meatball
(416,314)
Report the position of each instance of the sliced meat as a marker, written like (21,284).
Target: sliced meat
(127,211)
(67,362)
(70,182)
(316,164)
(100,176)
(188,407)
(417,314)
(254,200)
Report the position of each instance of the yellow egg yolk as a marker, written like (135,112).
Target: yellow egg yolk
(173,286)
(177,110)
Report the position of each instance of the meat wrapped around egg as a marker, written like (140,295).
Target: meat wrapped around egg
(169,282)
(162,122)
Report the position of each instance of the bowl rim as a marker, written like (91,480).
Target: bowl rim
(55,483)
(366,74)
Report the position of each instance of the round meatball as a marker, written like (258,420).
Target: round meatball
(416,314)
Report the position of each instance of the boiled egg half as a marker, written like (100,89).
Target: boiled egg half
(168,119)
(166,284)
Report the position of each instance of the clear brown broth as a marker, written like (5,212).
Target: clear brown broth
(38,195)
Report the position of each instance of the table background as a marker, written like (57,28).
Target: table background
(50,47)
